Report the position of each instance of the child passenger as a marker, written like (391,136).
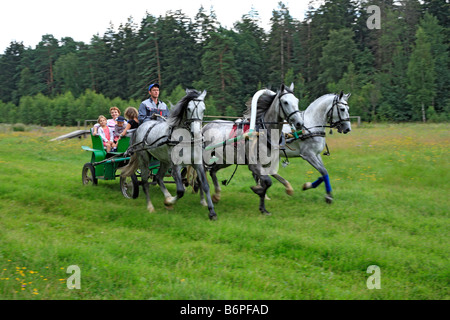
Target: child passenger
(119,128)
(106,133)
(115,112)
(133,123)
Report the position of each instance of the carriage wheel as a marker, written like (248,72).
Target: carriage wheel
(88,175)
(129,186)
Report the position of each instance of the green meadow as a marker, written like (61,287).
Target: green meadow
(391,202)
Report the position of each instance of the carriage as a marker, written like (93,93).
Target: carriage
(104,166)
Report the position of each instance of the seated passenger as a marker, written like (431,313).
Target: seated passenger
(115,113)
(133,123)
(106,133)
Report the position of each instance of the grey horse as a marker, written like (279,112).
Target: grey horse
(330,110)
(157,138)
(272,110)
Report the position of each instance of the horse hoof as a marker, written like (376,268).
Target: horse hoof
(307,186)
(267,197)
(216,198)
(290,192)
(151,209)
(170,201)
(203,203)
(168,207)
(328,199)
(213,217)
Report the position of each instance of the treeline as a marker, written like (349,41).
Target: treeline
(399,72)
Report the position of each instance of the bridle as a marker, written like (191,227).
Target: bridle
(282,109)
(332,124)
(336,104)
(188,120)
(263,123)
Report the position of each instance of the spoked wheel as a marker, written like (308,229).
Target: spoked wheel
(129,186)
(88,175)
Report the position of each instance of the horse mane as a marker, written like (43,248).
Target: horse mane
(318,101)
(177,112)
(263,104)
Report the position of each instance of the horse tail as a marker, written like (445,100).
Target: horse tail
(131,167)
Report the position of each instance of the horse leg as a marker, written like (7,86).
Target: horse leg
(317,163)
(258,185)
(204,186)
(143,159)
(169,201)
(261,189)
(202,195)
(176,174)
(217,189)
(287,185)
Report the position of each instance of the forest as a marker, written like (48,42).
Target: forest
(397,72)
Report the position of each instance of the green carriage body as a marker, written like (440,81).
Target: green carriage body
(104,166)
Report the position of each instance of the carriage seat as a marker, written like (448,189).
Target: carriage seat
(99,150)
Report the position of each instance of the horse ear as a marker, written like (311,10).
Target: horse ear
(346,96)
(341,95)
(202,96)
(292,86)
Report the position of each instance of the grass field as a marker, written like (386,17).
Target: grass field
(390,209)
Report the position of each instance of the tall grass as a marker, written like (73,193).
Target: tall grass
(390,184)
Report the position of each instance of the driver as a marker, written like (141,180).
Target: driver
(152,108)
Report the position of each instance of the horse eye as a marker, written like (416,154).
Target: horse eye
(343,109)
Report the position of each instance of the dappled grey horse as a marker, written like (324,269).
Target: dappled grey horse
(272,110)
(161,139)
(328,111)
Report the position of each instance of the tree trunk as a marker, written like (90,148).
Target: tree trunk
(157,60)
(424,118)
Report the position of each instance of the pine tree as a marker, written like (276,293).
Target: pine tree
(45,54)
(219,71)
(10,72)
(280,44)
(421,76)
(250,54)
(439,51)
(180,60)
(69,74)
(337,54)
(148,58)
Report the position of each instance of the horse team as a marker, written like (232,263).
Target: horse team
(275,126)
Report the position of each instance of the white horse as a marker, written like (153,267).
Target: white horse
(328,111)
(272,110)
(154,138)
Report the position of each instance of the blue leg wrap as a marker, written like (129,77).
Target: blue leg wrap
(327,183)
(316,183)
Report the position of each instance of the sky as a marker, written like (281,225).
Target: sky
(28,20)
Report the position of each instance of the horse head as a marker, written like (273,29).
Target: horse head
(340,115)
(289,106)
(195,111)
(188,112)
